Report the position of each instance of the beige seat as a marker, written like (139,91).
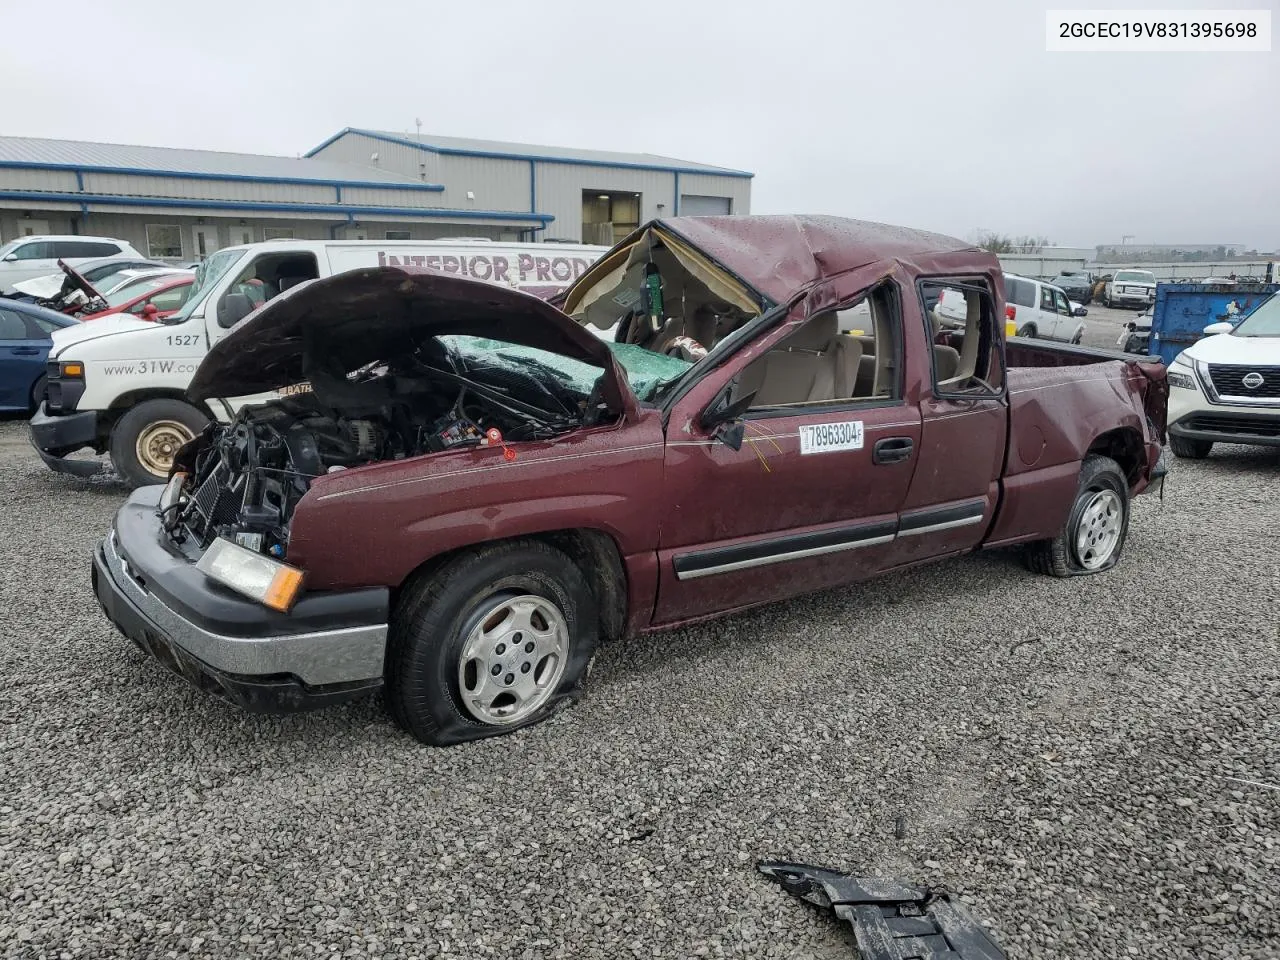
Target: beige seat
(946,362)
(814,365)
(848,361)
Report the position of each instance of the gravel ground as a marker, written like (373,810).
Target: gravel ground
(1103,325)
(1091,763)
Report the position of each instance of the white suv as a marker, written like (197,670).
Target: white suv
(28,257)
(1226,387)
(1033,308)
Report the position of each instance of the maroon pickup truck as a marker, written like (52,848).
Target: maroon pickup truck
(463,489)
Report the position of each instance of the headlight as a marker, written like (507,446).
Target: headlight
(1183,381)
(275,585)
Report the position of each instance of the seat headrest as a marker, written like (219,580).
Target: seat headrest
(815,335)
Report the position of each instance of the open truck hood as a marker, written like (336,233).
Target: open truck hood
(371,314)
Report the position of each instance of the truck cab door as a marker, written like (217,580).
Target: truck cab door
(807,496)
(964,417)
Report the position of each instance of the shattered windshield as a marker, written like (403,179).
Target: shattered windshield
(647,372)
(207,276)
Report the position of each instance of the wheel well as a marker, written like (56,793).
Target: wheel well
(135,397)
(594,552)
(1125,447)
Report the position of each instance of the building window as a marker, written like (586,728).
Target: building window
(608,216)
(397,234)
(277,233)
(164,240)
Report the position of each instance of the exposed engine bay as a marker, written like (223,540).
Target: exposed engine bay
(244,479)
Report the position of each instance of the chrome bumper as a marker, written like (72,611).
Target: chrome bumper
(317,659)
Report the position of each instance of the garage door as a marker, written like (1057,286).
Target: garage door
(692,205)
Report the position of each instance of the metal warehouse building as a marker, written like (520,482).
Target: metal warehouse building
(359,184)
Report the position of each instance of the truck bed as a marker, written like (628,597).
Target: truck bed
(1056,407)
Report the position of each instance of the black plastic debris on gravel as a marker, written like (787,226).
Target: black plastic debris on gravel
(891,920)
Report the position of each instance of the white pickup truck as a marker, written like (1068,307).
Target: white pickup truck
(1130,288)
(118,384)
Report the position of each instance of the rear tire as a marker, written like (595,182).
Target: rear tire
(454,627)
(1188,449)
(1027,330)
(145,439)
(1093,537)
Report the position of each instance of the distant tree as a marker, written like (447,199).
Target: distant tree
(995,243)
(1029,244)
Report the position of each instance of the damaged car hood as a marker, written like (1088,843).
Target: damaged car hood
(46,287)
(371,314)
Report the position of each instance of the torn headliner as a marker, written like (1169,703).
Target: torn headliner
(780,256)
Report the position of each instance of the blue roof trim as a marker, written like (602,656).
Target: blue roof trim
(82,168)
(86,198)
(494,155)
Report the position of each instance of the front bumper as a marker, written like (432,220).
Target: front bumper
(1193,417)
(1132,299)
(1248,429)
(328,649)
(56,436)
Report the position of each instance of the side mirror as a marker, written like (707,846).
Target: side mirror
(150,311)
(731,433)
(1220,327)
(724,419)
(1082,311)
(233,308)
(10,258)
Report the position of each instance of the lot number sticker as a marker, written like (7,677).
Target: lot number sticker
(831,437)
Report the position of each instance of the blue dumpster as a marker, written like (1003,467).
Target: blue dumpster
(1183,310)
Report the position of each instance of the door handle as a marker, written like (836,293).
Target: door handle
(25,351)
(892,450)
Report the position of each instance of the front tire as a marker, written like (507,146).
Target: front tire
(492,642)
(145,439)
(1186,448)
(1093,537)
(38,390)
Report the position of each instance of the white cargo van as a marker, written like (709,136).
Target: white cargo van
(118,384)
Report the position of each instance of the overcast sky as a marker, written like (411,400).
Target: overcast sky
(938,114)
